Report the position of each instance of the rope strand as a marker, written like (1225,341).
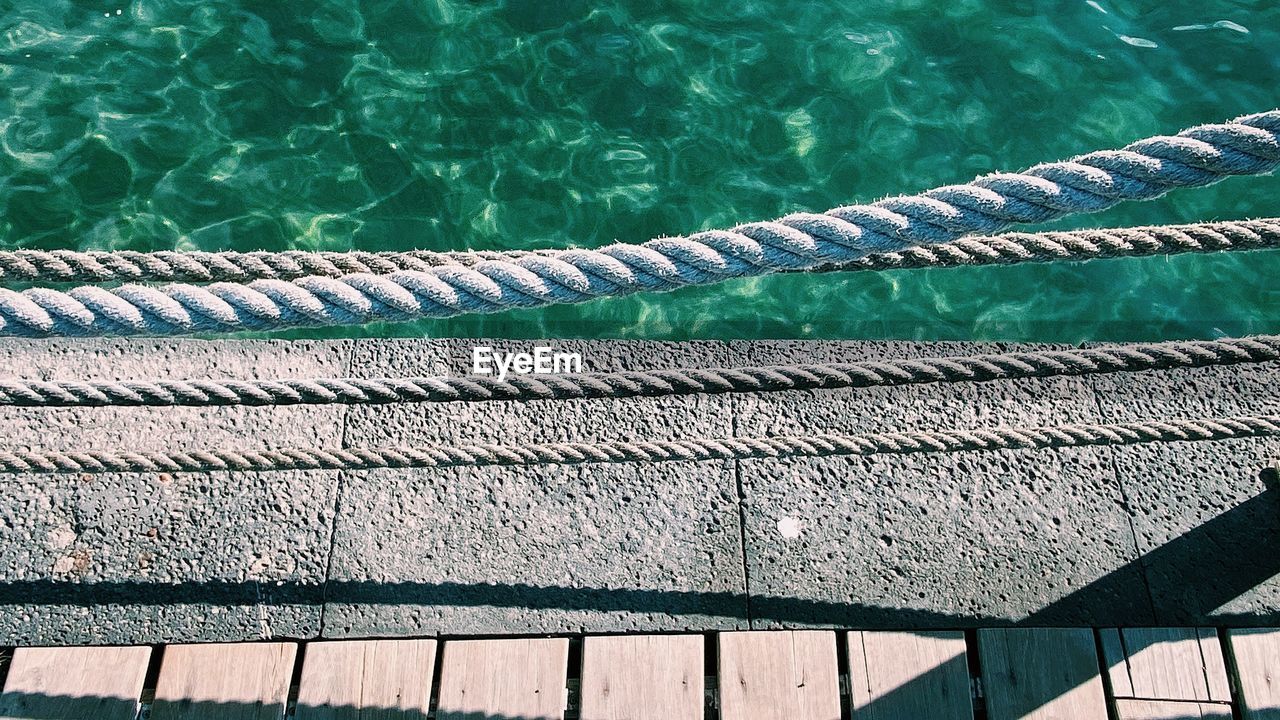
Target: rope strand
(802,241)
(821,445)
(96,266)
(1010,248)
(648,383)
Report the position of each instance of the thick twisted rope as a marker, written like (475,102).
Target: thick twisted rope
(1143,170)
(440,456)
(647,383)
(1010,248)
(169,265)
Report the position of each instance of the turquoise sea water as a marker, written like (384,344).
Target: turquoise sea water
(452,124)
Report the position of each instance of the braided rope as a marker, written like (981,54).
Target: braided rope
(648,383)
(822,445)
(1142,170)
(98,266)
(1010,248)
(1074,245)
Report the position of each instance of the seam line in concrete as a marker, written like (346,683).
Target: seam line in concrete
(742,515)
(340,482)
(1110,454)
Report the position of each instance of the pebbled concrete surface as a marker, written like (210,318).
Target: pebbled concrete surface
(548,549)
(1205,522)
(152,557)
(1172,534)
(970,539)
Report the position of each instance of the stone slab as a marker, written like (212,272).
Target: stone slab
(600,548)
(149,558)
(1205,522)
(921,541)
(892,542)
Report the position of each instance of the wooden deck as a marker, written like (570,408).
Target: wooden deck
(997,674)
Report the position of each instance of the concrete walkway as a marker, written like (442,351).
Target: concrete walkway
(1170,534)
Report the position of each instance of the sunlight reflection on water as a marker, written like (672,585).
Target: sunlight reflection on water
(389,125)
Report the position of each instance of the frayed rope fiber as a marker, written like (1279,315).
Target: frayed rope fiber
(1146,169)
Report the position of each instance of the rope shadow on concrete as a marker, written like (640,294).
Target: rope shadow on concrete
(39,706)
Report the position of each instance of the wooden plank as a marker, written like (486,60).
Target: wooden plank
(1113,657)
(638,677)
(922,675)
(1257,663)
(779,675)
(1041,674)
(1211,653)
(516,678)
(241,681)
(74,682)
(1129,709)
(366,680)
(1168,664)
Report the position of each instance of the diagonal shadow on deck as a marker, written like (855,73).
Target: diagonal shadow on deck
(1206,558)
(1209,558)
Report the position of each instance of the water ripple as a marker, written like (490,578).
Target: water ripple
(449,124)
